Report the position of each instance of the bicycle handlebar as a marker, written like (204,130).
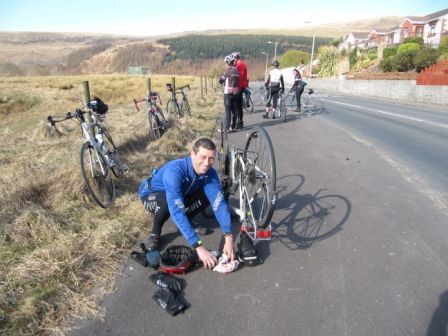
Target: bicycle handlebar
(184,87)
(69,115)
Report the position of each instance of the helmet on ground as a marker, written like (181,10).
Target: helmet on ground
(229,59)
(276,63)
(236,55)
(177,259)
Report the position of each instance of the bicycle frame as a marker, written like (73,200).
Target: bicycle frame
(242,170)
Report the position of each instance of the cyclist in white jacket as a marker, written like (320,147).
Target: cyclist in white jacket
(276,84)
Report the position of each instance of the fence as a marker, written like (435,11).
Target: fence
(436,74)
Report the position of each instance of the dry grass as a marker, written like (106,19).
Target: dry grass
(59,252)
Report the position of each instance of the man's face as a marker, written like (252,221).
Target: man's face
(202,160)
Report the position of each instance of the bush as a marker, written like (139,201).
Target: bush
(415,39)
(443,47)
(389,52)
(408,46)
(353,57)
(328,60)
(292,58)
(387,64)
(405,60)
(372,55)
(425,57)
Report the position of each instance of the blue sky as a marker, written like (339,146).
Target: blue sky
(150,17)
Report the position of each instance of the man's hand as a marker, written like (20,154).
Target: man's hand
(206,257)
(228,247)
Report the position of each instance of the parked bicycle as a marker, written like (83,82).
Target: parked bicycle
(157,122)
(252,172)
(308,101)
(248,104)
(261,96)
(178,104)
(99,156)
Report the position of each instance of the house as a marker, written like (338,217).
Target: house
(354,39)
(430,27)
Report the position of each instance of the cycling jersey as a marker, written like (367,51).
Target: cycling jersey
(232,80)
(275,78)
(178,179)
(242,69)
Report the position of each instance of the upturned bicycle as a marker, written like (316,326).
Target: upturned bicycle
(250,173)
(99,156)
(157,122)
(178,104)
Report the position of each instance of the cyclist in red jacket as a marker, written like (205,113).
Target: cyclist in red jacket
(244,83)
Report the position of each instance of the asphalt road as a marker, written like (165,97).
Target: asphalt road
(358,248)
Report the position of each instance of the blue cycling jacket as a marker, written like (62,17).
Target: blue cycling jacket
(178,179)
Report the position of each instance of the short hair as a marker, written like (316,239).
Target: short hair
(204,143)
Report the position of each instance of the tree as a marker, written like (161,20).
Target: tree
(292,58)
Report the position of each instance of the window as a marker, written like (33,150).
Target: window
(419,31)
(432,29)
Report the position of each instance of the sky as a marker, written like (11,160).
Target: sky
(152,18)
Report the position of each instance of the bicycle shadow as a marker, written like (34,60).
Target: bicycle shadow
(438,326)
(309,218)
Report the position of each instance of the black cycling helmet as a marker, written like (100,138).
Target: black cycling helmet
(276,63)
(177,259)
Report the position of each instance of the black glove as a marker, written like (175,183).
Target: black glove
(166,281)
(169,301)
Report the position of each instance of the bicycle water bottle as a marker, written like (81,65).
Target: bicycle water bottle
(102,146)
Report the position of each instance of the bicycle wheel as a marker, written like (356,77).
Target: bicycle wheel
(290,102)
(248,105)
(257,97)
(224,160)
(172,108)
(97,176)
(315,105)
(283,109)
(185,106)
(260,180)
(155,126)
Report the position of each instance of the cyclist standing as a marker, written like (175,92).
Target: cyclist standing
(276,84)
(182,188)
(244,83)
(298,87)
(231,78)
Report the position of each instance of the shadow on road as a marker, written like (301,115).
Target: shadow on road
(308,218)
(438,325)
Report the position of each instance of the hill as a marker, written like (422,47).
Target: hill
(39,53)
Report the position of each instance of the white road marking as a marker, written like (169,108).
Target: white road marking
(393,114)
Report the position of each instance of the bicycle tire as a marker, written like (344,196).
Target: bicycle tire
(290,102)
(186,108)
(316,105)
(283,109)
(155,126)
(261,186)
(250,108)
(172,108)
(100,186)
(257,97)
(224,161)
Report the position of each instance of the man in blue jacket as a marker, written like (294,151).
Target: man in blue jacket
(182,188)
